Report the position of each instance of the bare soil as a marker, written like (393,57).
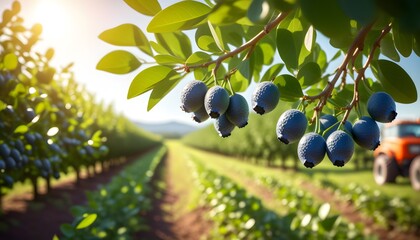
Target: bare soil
(164,220)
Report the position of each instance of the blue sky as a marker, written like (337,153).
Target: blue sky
(71,27)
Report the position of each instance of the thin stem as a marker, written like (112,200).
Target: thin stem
(361,72)
(267,29)
(325,94)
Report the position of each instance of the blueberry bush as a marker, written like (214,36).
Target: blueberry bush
(49,124)
(229,44)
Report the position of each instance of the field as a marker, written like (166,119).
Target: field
(192,193)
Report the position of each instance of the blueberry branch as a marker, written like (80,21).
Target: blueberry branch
(353,51)
(361,72)
(248,45)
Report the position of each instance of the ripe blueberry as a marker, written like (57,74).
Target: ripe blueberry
(200,115)
(265,97)
(381,107)
(238,111)
(340,148)
(223,126)
(366,133)
(2,165)
(216,101)
(192,96)
(291,126)
(311,149)
(4,150)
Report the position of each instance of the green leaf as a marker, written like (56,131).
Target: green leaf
(243,76)
(147,78)
(329,222)
(118,62)
(324,210)
(67,230)
(327,17)
(177,44)
(127,35)
(161,89)
(10,61)
(87,221)
(226,12)
(272,72)
(216,34)
(403,41)
(309,74)
(179,16)
(388,48)
(363,11)
(396,81)
(168,60)
(49,54)
(21,129)
(55,237)
(286,48)
(198,58)
(259,11)
(205,40)
(289,88)
(146,7)
(310,38)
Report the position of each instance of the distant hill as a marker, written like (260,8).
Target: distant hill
(169,129)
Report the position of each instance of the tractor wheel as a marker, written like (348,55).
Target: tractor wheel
(415,173)
(385,169)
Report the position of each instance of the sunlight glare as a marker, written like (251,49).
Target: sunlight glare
(53,17)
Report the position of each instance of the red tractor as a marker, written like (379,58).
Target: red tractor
(399,153)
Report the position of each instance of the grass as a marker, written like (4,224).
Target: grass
(342,176)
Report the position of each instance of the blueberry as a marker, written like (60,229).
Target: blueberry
(381,107)
(291,126)
(38,163)
(366,133)
(192,96)
(15,154)
(56,174)
(8,180)
(223,126)
(30,138)
(265,97)
(216,101)
(311,149)
(340,148)
(4,150)
(200,115)
(327,121)
(238,111)
(10,162)
(29,114)
(2,165)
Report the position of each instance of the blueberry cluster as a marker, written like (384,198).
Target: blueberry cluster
(229,111)
(336,143)
(333,138)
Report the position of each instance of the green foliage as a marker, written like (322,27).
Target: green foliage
(236,42)
(236,214)
(51,124)
(114,209)
(385,210)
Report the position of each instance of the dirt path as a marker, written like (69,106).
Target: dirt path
(170,218)
(25,218)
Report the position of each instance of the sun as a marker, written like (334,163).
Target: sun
(53,17)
